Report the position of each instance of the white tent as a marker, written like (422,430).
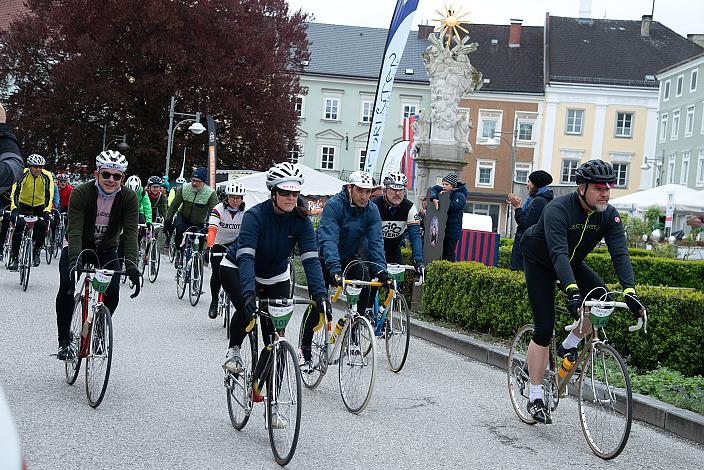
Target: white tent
(686,199)
(316,184)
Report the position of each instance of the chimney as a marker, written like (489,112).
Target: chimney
(425,30)
(645,26)
(514,35)
(697,39)
(585,11)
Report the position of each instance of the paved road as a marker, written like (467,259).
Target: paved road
(165,405)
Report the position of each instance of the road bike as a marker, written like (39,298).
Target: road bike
(149,258)
(391,320)
(225,307)
(26,252)
(92,333)
(7,247)
(599,378)
(189,266)
(54,240)
(277,372)
(353,349)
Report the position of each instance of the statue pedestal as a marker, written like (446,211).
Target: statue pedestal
(435,159)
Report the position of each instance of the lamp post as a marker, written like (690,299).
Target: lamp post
(658,162)
(197,128)
(511,143)
(121,139)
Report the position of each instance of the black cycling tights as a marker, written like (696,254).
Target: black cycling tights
(540,282)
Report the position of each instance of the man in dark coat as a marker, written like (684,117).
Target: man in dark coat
(528,213)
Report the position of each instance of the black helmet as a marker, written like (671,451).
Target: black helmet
(595,171)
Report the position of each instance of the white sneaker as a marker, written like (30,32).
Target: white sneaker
(233,360)
(278,421)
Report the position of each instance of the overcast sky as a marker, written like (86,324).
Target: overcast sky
(683,16)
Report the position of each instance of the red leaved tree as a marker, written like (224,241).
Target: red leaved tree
(71,67)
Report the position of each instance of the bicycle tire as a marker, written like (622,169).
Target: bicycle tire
(195,284)
(353,363)
(319,357)
(242,384)
(517,372)
(72,368)
(283,402)
(172,250)
(180,275)
(154,260)
(7,248)
(397,333)
(141,255)
(48,246)
(596,383)
(27,256)
(96,379)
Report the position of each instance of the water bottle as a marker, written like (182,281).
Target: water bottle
(86,328)
(338,329)
(565,367)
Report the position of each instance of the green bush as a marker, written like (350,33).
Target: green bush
(649,270)
(672,387)
(506,242)
(495,301)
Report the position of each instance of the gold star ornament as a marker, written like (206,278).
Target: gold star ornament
(450,22)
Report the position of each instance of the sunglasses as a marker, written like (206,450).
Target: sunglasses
(196,180)
(107,175)
(287,193)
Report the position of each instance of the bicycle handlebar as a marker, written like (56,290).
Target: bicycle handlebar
(106,271)
(642,321)
(287,302)
(420,280)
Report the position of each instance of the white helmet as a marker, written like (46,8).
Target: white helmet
(395,180)
(233,188)
(36,160)
(362,179)
(134,183)
(180,180)
(111,159)
(284,176)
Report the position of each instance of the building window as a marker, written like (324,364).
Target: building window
(298,104)
(671,168)
(663,127)
(332,109)
(689,122)
(621,170)
(489,124)
(684,174)
(675,124)
(492,210)
(521,172)
(680,83)
(569,167)
(408,111)
(327,157)
(485,173)
(666,91)
(361,159)
(367,111)
(575,121)
(693,80)
(700,168)
(624,124)
(296,153)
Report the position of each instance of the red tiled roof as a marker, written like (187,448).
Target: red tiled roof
(9,10)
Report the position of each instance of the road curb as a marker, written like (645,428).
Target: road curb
(683,423)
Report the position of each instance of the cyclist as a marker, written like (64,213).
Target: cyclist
(145,206)
(191,205)
(220,191)
(453,226)
(31,195)
(10,156)
(223,229)
(156,198)
(100,209)
(554,249)
(180,181)
(399,217)
(348,225)
(257,264)
(65,189)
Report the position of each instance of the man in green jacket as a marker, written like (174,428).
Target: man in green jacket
(98,211)
(191,205)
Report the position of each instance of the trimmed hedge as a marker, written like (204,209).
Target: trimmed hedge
(649,270)
(484,299)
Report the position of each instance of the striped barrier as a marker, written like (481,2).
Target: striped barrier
(475,245)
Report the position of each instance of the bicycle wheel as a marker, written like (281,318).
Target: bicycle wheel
(48,246)
(239,387)
(172,250)
(397,333)
(196,281)
(319,357)
(180,274)
(154,260)
(518,380)
(284,403)
(7,249)
(99,358)
(73,367)
(26,264)
(142,255)
(357,370)
(605,401)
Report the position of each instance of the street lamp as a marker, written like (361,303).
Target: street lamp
(511,143)
(658,162)
(121,139)
(196,128)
